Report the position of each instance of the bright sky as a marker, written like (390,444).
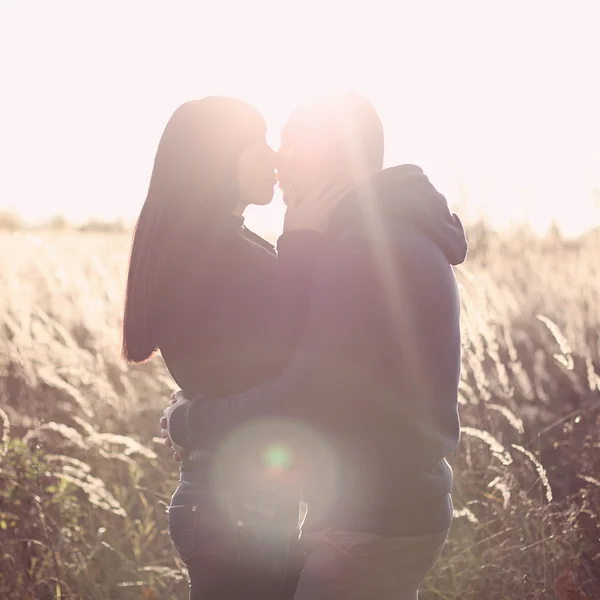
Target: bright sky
(498,102)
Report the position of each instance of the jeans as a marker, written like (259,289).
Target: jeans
(226,559)
(345,565)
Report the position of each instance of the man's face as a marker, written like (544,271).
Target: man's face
(308,154)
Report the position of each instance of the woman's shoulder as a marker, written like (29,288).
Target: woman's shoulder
(257,240)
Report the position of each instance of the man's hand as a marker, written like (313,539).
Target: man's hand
(314,211)
(179,452)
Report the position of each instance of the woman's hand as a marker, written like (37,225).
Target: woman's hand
(314,210)
(179,452)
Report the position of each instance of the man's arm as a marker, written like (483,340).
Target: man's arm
(334,362)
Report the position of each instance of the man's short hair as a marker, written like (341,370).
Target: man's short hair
(353,119)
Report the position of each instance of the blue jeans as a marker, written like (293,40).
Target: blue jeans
(346,565)
(226,559)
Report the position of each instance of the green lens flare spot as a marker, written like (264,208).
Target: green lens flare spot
(277,457)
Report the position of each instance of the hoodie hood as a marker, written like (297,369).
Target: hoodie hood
(403,192)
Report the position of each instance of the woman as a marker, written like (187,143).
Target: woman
(225,312)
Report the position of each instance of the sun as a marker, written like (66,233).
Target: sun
(516,124)
(275,103)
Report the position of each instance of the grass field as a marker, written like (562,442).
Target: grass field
(84,483)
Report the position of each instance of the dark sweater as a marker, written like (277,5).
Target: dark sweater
(370,396)
(237,320)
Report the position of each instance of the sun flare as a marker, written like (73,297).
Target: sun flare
(506,126)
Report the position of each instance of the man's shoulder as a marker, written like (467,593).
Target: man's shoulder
(393,240)
(398,250)
(352,242)
(349,256)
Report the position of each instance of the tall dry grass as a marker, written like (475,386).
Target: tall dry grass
(84,483)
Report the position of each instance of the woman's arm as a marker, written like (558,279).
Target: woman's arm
(279,295)
(276,300)
(341,345)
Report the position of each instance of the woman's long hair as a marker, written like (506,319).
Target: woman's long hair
(193,187)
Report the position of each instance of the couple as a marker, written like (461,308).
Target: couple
(323,376)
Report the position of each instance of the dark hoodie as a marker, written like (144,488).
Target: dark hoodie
(368,404)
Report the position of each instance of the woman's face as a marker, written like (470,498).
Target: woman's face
(256,174)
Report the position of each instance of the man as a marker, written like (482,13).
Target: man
(370,397)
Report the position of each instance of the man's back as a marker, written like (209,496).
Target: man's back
(391,435)
(368,403)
